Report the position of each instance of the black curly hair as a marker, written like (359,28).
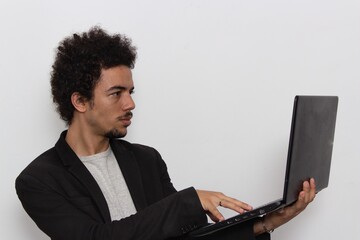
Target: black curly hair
(78,63)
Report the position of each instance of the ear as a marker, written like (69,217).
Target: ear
(79,102)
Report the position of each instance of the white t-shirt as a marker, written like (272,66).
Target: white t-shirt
(107,173)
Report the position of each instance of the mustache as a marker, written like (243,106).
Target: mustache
(127,115)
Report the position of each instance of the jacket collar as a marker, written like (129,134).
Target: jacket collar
(130,169)
(79,171)
(128,165)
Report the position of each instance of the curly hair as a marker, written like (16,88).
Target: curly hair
(78,63)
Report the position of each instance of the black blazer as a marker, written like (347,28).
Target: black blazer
(64,200)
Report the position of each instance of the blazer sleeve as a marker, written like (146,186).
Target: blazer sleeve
(60,219)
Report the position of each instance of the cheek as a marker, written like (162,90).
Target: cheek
(109,114)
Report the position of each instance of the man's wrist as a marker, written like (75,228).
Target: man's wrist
(263,225)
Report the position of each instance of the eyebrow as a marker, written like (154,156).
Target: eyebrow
(116,88)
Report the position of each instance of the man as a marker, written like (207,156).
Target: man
(92,185)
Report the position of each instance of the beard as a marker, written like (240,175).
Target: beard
(114,133)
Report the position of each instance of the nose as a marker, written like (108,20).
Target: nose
(129,103)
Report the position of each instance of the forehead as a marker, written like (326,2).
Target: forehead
(115,76)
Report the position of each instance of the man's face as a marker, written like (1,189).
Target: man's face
(110,110)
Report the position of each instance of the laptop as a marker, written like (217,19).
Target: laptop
(309,155)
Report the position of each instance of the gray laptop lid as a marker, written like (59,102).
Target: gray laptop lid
(311,143)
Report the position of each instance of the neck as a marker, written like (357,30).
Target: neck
(85,142)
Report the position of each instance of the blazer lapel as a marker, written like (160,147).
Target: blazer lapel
(130,170)
(77,168)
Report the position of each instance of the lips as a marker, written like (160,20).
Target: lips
(126,119)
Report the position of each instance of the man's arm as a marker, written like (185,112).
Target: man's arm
(61,219)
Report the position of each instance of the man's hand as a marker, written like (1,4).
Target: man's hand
(278,218)
(211,200)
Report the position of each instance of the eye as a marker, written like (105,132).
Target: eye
(132,92)
(117,93)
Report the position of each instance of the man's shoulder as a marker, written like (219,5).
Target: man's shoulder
(47,159)
(139,150)
(134,147)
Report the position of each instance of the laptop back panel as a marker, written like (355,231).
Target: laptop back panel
(311,143)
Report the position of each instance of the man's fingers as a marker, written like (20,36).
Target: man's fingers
(210,202)
(309,188)
(312,188)
(306,190)
(235,205)
(215,215)
(307,195)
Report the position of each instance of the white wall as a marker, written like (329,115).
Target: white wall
(215,82)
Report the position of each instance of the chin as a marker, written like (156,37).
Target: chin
(115,133)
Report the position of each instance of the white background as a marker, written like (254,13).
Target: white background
(215,82)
